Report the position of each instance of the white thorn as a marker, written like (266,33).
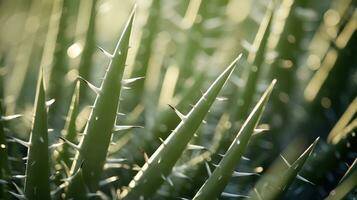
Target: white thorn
(53,146)
(19,176)
(245,158)
(108,180)
(195,147)
(167,179)
(69,143)
(170,181)
(50,102)
(162,140)
(178,113)
(180,174)
(248,47)
(209,172)
(285,161)
(91,86)
(19,196)
(131,80)
(109,55)
(226,194)
(23,143)
(68,179)
(221,98)
(259,130)
(10,117)
(240,174)
(2,181)
(116,160)
(304,179)
(124,127)
(146,157)
(258,195)
(19,190)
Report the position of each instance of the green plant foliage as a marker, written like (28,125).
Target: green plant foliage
(60,60)
(38,167)
(256,59)
(160,164)
(214,186)
(347,183)
(144,53)
(4,168)
(275,189)
(156,123)
(70,129)
(86,63)
(93,147)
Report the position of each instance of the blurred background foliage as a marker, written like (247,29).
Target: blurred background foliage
(179,47)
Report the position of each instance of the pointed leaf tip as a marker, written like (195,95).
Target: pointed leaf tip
(134,8)
(132,14)
(312,146)
(272,85)
(125,35)
(234,62)
(268,91)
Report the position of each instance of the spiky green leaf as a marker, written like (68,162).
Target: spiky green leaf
(98,132)
(70,130)
(347,183)
(4,168)
(216,183)
(160,164)
(37,167)
(282,180)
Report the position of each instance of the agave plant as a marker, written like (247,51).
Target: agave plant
(226,132)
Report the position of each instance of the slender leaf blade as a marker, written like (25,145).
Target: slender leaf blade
(160,164)
(37,167)
(98,132)
(216,183)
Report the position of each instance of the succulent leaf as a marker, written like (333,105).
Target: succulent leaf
(98,132)
(149,179)
(216,183)
(37,166)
